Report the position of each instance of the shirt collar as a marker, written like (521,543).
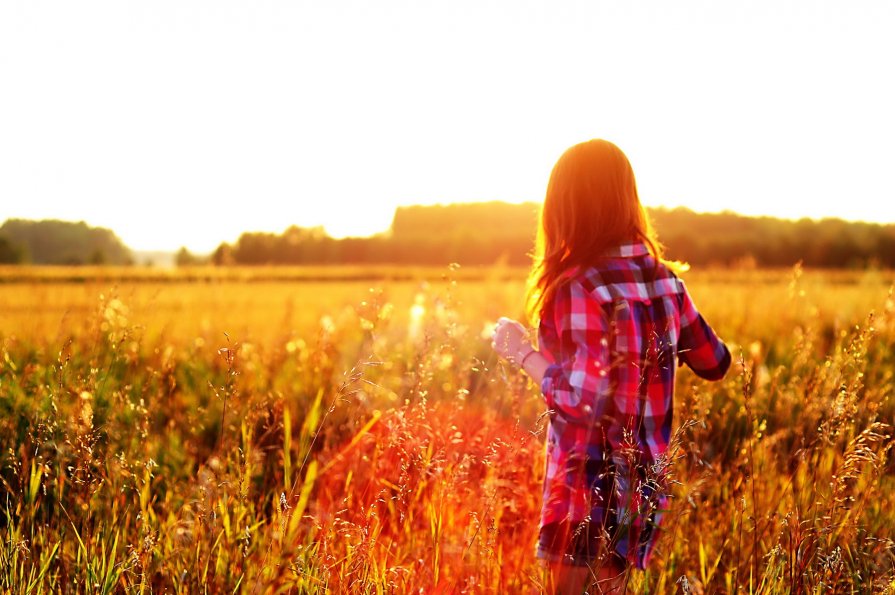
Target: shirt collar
(628,250)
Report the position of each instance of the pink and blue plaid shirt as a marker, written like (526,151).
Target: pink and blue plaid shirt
(614,334)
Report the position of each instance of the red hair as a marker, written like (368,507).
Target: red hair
(591,206)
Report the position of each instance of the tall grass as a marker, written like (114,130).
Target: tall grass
(378,447)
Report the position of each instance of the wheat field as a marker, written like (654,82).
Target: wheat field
(320,432)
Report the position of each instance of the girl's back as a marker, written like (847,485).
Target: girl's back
(615,334)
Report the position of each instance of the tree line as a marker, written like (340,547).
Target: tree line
(488,233)
(480,234)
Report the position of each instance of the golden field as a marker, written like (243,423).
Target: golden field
(348,430)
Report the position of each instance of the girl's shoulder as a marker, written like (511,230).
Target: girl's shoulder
(637,279)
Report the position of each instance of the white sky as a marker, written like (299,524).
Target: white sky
(187,122)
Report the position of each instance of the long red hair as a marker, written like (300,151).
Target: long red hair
(591,206)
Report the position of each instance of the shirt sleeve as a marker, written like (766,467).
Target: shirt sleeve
(699,347)
(578,376)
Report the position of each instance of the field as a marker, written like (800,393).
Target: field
(348,430)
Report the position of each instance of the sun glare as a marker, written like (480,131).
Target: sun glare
(197,140)
(348,225)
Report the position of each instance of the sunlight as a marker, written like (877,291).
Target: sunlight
(344,223)
(197,140)
(417,312)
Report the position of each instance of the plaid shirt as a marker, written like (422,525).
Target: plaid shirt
(614,335)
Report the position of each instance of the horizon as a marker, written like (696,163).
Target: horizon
(214,117)
(174,249)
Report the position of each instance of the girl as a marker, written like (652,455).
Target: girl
(614,323)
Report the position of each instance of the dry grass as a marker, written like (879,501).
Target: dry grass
(265,436)
(209,273)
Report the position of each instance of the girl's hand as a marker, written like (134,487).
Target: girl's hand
(510,341)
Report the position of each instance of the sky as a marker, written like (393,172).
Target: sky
(186,122)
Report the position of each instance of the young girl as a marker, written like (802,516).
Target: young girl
(614,323)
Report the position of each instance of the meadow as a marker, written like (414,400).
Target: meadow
(349,430)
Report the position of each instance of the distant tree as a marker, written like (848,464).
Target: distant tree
(9,252)
(64,242)
(223,255)
(186,258)
(98,257)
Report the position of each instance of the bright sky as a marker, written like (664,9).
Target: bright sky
(186,122)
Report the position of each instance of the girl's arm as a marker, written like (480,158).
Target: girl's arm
(535,365)
(699,346)
(510,341)
(575,383)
